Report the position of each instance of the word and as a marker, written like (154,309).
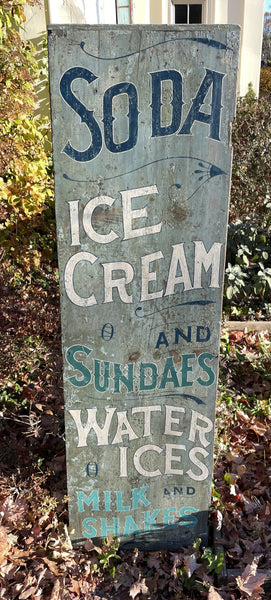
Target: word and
(179,491)
(197,334)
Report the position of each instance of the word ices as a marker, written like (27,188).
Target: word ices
(152,518)
(171,454)
(212,80)
(119,275)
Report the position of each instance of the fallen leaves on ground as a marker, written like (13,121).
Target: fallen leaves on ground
(37,559)
(250,581)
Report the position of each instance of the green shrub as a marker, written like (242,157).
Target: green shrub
(248,272)
(265,80)
(251,139)
(25,166)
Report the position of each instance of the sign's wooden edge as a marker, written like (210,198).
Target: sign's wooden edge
(246,326)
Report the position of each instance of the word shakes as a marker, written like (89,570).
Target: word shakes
(119,276)
(128,509)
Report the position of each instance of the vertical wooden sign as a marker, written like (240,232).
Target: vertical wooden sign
(141,136)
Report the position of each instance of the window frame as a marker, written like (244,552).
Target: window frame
(188,2)
(128,4)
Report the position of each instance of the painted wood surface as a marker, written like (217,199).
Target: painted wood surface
(141,135)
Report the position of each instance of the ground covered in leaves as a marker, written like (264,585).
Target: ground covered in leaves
(36,556)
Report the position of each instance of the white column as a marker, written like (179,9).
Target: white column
(108,14)
(53,11)
(165,12)
(66,11)
(147,11)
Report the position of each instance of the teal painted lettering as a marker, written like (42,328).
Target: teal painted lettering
(90,531)
(177,102)
(114,529)
(200,336)
(97,375)
(186,368)
(138,496)
(86,116)
(186,512)
(119,376)
(201,359)
(117,90)
(83,499)
(107,500)
(168,518)
(120,506)
(150,520)
(151,372)
(130,526)
(169,369)
(78,365)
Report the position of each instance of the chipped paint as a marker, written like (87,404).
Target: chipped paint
(142,164)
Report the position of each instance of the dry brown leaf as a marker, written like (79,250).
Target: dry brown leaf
(13,510)
(139,587)
(250,581)
(154,561)
(259,428)
(29,593)
(213,594)
(55,595)
(241,469)
(178,560)
(29,587)
(191,564)
(7,540)
(242,416)
(73,586)
(90,547)
(249,505)
(52,566)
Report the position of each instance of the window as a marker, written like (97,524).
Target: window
(187,12)
(123,12)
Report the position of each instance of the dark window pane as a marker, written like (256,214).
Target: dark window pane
(180,13)
(195,13)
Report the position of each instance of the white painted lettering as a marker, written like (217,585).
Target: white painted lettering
(130,214)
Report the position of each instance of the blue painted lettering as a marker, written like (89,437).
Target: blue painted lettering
(176,80)
(85,115)
(130,90)
(212,80)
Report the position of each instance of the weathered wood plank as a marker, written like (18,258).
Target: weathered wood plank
(247,325)
(141,136)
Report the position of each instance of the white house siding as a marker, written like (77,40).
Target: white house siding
(252,34)
(246,13)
